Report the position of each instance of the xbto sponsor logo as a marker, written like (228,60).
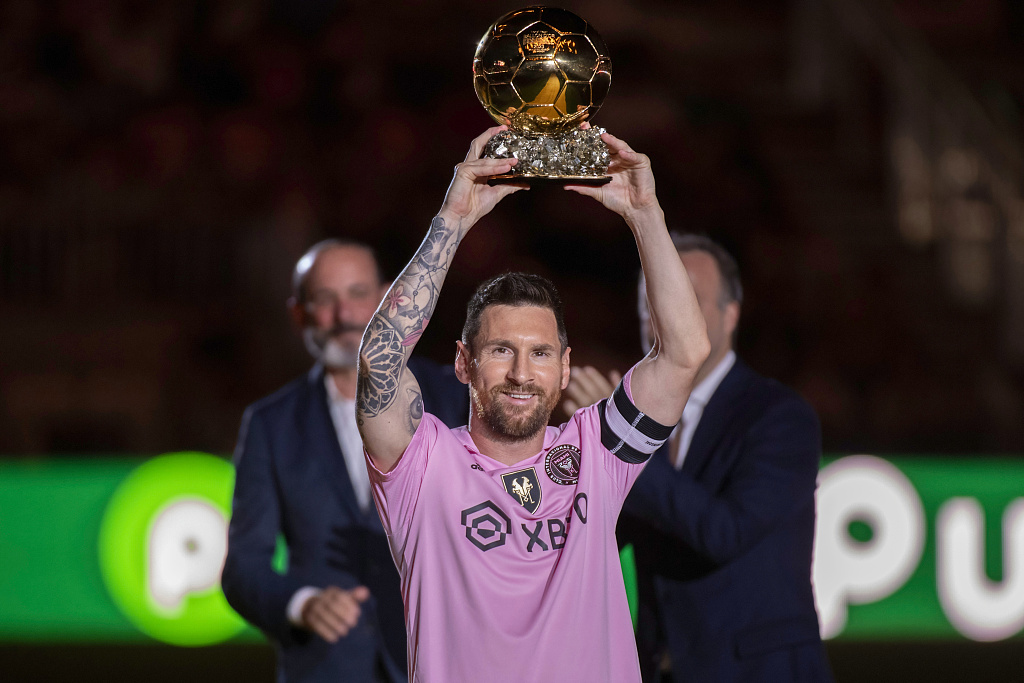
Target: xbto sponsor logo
(487,526)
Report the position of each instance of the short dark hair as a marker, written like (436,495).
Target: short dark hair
(514,289)
(305,264)
(732,287)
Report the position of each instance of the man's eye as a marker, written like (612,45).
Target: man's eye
(323,300)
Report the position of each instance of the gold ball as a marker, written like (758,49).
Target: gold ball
(541,70)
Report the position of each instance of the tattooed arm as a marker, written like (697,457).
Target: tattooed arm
(389,405)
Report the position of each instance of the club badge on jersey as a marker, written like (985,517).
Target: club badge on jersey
(562,464)
(524,487)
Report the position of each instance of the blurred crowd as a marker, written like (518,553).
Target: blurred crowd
(163,164)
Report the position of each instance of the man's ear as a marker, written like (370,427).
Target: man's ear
(731,318)
(566,368)
(296,312)
(462,361)
(384,287)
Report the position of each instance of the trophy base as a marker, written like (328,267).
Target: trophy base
(509,178)
(578,156)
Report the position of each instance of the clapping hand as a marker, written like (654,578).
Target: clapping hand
(587,386)
(334,612)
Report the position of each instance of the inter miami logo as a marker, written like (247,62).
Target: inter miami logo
(486,525)
(524,487)
(563,464)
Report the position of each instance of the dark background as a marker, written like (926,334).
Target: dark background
(163,164)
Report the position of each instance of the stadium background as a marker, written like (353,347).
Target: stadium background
(164,164)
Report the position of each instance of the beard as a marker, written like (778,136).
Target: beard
(510,424)
(324,346)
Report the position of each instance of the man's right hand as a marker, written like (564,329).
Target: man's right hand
(587,386)
(334,612)
(469,197)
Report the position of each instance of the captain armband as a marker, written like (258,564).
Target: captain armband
(628,433)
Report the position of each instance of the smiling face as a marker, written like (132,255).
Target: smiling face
(341,291)
(516,371)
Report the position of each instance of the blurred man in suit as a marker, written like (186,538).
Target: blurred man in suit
(722,519)
(336,613)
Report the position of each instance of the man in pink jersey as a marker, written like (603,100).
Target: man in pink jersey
(504,532)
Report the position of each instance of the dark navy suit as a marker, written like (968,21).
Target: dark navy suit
(723,547)
(291,478)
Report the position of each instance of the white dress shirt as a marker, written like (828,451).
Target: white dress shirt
(699,397)
(343,416)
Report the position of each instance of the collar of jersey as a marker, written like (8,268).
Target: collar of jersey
(551,435)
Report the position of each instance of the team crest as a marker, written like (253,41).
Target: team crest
(563,464)
(524,487)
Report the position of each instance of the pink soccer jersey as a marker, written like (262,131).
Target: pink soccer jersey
(511,573)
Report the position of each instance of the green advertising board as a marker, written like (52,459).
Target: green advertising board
(118,551)
(920,548)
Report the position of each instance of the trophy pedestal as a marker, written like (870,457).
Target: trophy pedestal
(576,157)
(528,179)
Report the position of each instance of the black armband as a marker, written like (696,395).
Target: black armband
(628,433)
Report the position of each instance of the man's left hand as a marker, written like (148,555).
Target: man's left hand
(631,190)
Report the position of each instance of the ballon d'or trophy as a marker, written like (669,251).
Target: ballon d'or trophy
(543,71)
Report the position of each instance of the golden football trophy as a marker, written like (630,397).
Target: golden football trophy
(543,71)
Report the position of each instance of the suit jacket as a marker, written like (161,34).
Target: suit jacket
(291,479)
(723,547)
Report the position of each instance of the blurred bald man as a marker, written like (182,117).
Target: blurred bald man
(335,613)
(722,519)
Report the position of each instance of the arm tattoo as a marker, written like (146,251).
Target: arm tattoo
(401,319)
(412,300)
(415,410)
(378,383)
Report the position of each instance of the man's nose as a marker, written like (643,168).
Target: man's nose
(342,309)
(519,371)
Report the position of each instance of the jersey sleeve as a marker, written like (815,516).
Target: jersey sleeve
(627,436)
(396,493)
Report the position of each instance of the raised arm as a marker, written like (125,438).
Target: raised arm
(662,381)
(389,403)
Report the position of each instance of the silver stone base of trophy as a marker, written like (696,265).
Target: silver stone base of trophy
(577,157)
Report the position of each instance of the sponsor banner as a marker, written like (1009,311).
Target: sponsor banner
(111,550)
(118,551)
(920,548)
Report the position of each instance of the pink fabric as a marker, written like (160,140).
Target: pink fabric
(509,607)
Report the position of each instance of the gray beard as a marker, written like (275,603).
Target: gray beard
(329,352)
